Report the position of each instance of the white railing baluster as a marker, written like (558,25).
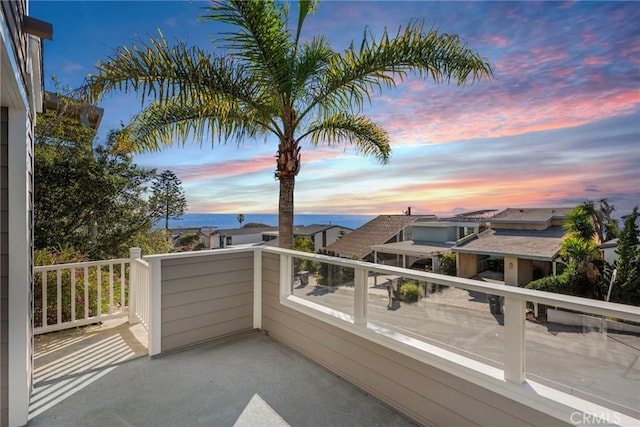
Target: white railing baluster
(99,287)
(67,296)
(59,297)
(110,288)
(86,292)
(73,294)
(45,299)
(123,293)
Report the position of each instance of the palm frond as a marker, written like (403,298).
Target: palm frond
(163,71)
(261,39)
(369,138)
(170,123)
(377,64)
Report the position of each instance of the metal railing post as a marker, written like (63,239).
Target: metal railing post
(134,278)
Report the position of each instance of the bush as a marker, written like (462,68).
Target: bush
(448,263)
(410,292)
(556,284)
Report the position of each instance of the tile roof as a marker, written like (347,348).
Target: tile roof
(375,232)
(541,245)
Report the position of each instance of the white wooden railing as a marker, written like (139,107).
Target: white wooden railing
(512,379)
(77,294)
(140,290)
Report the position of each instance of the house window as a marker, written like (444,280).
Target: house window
(228,241)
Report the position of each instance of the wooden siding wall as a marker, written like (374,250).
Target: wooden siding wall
(4,266)
(13,12)
(428,395)
(206,297)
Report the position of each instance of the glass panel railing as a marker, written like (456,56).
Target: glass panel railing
(589,356)
(325,284)
(466,322)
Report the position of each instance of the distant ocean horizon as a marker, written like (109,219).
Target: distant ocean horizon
(224,221)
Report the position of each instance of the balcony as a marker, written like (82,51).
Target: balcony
(447,359)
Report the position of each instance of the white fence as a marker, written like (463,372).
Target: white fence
(77,294)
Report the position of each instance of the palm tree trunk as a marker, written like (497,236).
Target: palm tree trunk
(285,212)
(288,166)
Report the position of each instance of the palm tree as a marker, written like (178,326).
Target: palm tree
(269,82)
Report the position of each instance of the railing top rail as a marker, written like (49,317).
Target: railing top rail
(207,252)
(141,261)
(620,311)
(79,264)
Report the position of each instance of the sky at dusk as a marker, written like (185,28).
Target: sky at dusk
(558,124)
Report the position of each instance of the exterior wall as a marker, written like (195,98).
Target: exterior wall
(435,234)
(428,395)
(328,237)
(525,271)
(467,265)
(610,255)
(205,297)
(511,271)
(20,86)
(4,265)
(240,239)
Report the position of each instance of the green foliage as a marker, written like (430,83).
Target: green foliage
(200,246)
(448,263)
(410,292)
(556,284)
(579,222)
(255,225)
(91,201)
(189,239)
(167,199)
(304,244)
(152,242)
(60,125)
(267,80)
(627,285)
(88,300)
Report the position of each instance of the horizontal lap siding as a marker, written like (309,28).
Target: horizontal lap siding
(424,393)
(206,297)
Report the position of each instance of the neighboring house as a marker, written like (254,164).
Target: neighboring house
(21,98)
(524,244)
(237,236)
(430,238)
(380,230)
(321,235)
(608,251)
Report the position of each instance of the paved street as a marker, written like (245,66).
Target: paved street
(603,365)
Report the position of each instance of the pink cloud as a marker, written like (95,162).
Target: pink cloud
(595,60)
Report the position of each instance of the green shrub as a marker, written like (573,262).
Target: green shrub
(556,284)
(410,292)
(448,263)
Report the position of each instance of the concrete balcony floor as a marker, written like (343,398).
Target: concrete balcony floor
(245,380)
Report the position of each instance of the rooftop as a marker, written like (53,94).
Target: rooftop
(530,244)
(375,232)
(530,214)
